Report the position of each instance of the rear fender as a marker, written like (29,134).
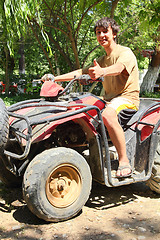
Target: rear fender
(147,122)
(147,129)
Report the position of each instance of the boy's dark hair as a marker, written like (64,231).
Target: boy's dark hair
(106,22)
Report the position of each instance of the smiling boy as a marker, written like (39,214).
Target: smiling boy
(121,85)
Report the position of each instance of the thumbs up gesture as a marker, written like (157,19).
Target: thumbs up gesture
(96,71)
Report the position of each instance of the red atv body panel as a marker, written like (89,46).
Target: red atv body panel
(40,113)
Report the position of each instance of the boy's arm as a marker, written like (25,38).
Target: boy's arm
(61,78)
(68,76)
(96,71)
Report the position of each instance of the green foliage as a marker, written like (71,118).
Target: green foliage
(71,24)
(142,62)
(139,26)
(9,100)
(16,14)
(66,28)
(151,95)
(36,63)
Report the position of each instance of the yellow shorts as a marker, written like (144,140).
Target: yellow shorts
(120,103)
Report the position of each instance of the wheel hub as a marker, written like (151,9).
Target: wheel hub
(63,186)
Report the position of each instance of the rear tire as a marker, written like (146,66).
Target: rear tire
(57,183)
(154,181)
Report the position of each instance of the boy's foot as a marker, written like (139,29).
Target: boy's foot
(124,171)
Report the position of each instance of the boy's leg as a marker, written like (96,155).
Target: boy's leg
(116,134)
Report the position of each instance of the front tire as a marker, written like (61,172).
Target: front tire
(57,183)
(154,181)
(4,125)
(7,177)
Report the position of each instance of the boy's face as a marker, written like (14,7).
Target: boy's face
(105,36)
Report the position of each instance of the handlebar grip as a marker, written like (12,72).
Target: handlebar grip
(85,79)
(100,79)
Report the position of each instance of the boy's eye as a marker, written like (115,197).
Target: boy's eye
(99,32)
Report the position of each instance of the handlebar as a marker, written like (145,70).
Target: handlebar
(84,80)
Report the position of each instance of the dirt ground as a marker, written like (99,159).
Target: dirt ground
(129,212)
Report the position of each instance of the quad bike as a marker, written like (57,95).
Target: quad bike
(54,146)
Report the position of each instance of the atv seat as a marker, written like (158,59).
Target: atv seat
(127,117)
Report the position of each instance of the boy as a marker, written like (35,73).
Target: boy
(121,84)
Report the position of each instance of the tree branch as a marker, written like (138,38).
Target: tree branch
(84,37)
(84,60)
(80,22)
(61,51)
(59,29)
(114,5)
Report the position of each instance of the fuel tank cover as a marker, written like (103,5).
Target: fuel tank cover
(50,89)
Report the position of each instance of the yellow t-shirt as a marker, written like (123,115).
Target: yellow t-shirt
(123,85)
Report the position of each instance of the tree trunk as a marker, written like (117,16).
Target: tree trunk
(150,79)
(56,63)
(74,47)
(6,71)
(21,59)
(152,74)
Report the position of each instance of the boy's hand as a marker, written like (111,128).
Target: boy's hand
(96,71)
(47,77)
